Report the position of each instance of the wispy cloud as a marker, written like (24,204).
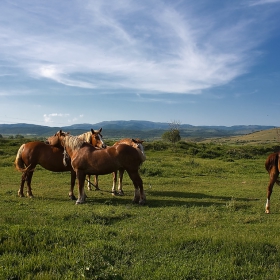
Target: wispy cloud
(151,47)
(263,2)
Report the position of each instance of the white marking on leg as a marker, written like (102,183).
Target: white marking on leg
(267,206)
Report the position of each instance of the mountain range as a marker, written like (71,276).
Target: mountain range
(134,128)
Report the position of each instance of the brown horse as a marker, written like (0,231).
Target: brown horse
(49,157)
(135,143)
(86,159)
(95,139)
(272,165)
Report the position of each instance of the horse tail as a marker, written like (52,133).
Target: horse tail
(272,161)
(19,163)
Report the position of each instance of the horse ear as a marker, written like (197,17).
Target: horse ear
(100,129)
(133,140)
(92,131)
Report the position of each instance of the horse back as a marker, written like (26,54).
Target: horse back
(128,153)
(49,157)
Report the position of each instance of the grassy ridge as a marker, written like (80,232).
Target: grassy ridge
(260,137)
(204,219)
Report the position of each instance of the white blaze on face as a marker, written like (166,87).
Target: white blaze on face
(140,146)
(140,150)
(101,140)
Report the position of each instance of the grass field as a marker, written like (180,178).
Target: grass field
(204,219)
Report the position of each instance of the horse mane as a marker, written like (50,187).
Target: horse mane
(86,137)
(73,142)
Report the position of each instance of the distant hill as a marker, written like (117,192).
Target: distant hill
(258,137)
(135,128)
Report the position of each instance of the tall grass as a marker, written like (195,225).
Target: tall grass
(204,219)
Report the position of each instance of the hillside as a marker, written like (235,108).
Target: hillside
(258,137)
(135,128)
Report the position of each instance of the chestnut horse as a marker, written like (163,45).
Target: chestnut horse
(86,159)
(272,165)
(135,143)
(49,157)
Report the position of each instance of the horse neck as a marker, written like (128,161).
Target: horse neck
(85,137)
(72,145)
(126,141)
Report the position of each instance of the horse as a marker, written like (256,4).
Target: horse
(94,139)
(272,165)
(49,157)
(87,159)
(135,143)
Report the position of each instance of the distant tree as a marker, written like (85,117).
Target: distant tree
(173,134)
(18,136)
(1,136)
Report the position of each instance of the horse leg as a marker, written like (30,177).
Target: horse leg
(96,183)
(28,181)
(81,182)
(88,183)
(273,174)
(120,190)
(23,178)
(72,185)
(115,176)
(139,194)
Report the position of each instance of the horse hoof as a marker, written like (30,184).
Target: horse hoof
(121,193)
(97,189)
(20,194)
(79,202)
(142,202)
(72,197)
(267,211)
(114,193)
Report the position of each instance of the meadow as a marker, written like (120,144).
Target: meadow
(204,219)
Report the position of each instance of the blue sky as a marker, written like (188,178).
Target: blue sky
(200,62)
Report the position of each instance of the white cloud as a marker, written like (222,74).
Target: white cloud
(51,118)
(149,47)
(60,118)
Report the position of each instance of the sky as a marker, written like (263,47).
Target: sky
(203,62)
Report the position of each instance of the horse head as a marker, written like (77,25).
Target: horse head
(137,143)
(58,139)
(96,139)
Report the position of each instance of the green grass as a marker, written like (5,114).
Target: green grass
(204,219)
